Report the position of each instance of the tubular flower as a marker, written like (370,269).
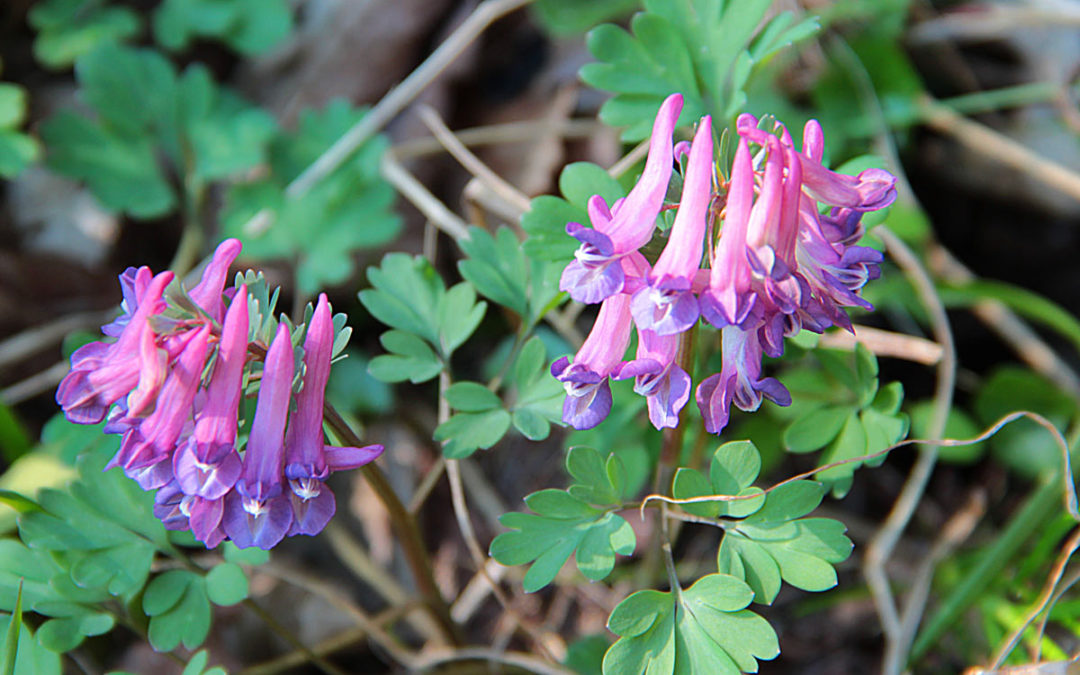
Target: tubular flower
(207,465)
(785,260)
(172,383)
(667,305)
(102,373)
(658,377)
(588,394)
(152,441)
(257,513)
(595,274)
(739,381)
(308,459)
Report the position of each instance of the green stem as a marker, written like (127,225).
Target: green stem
(191,239)
(404,525)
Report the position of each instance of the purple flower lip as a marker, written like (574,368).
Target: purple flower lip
(666,306)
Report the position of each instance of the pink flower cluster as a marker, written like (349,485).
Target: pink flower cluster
(172,383)
(779,265)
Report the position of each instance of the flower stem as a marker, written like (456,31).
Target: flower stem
(409,534)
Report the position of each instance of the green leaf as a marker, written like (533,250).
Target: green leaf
(854,420)
(958,426)
(250,27)
(459,315)
(565,17)
(546,220)
(467,432)
(585,655)
(497,267)
(732,472)
(779,542)
(540,396)
(410,359)
(226,584)
(11,640)
(600,480)
(63,635)
(406,295)
(179,610)
(123,173)
(703,629)
(562,525)
(245,556)
(704,49)
(16,150)
(1024,446)
(22,654)
(816,428)
(67,29)
(471,397)
(151,126)
(347,211)
(531,424)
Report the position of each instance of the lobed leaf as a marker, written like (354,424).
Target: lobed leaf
(703,629)
(561,525)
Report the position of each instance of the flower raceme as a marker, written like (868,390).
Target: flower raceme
(776,263)
(172,384)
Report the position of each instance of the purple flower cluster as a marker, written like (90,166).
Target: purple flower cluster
(778,264)
(172,383)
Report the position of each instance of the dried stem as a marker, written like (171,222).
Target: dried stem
(471,162)
(885,343)
(408,533)
(883,543)
(420,197)
(401,95)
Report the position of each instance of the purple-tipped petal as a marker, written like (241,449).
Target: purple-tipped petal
(665,311)
(586,405)
(264,455)
(667,397)
(311,514)
(340,458)
(714,399)
(204,518)
(591,284)
(167,507)
(261,523)
(209,477)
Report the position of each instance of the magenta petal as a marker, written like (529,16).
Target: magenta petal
(310,516)
(207,293)
(256,523)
